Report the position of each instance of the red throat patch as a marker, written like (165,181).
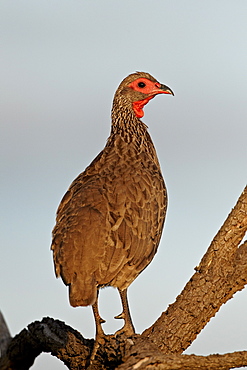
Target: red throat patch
(138,106)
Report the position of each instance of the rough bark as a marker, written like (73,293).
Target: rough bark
(49,335)
(221,273)
(187,362)
(5,336)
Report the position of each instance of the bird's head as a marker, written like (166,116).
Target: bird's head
(138,88)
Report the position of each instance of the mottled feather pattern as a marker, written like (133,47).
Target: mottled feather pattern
(110,221)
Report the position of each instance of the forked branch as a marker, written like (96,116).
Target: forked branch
(221,273)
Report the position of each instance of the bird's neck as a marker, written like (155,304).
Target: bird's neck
(126,124)
(127,127)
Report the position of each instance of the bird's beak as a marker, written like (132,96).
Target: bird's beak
(163,89)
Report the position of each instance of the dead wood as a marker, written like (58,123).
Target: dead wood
(186,362)
(221,273)
(5,336)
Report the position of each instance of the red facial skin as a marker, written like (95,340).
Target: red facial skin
(151,89)
(138,106)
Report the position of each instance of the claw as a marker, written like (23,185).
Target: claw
(128,327)
(120,316)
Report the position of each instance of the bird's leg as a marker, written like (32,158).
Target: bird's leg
(128,327)
(99,331)
(98,319)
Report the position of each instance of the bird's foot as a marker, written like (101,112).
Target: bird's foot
(128,328)
(99,341)
(100,335)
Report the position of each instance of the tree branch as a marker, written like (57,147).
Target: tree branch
(221,273)
(186,362)
(5,336)
(49,335)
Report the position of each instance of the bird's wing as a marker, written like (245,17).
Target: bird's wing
(80,231)
(138,225)
(108,224)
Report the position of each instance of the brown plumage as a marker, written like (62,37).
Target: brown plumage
(110,221)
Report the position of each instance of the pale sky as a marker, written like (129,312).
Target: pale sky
(61,62)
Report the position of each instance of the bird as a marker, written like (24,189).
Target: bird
(109,222)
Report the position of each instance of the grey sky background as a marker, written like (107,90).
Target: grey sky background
(61,62)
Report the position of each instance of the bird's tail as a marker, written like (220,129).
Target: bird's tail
(82,293)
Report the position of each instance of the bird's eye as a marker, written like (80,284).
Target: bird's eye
(141,84)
